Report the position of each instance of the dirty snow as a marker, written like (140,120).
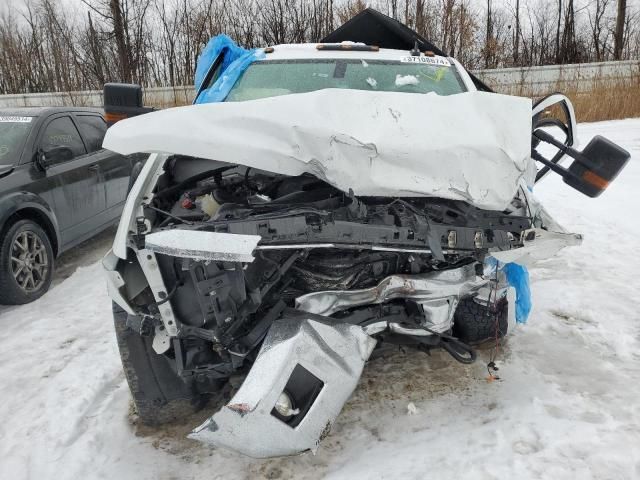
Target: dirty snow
(566,406)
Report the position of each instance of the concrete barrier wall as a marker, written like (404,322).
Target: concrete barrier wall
(156,96)
(531,81)
(582,77)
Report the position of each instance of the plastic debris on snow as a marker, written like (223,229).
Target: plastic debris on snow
(235,61)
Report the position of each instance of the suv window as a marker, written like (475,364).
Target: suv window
(61,132)
(13,133)
(93,129)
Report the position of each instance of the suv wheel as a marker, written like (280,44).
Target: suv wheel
(26,263)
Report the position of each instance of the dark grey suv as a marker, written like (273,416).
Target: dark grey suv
(58,187)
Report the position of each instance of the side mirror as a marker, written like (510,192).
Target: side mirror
(601,162)
(593,169)
(53,155)
(122,100)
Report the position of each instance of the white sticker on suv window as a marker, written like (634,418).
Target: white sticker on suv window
(437,60)
(8,119)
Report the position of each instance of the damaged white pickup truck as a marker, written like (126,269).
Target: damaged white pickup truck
(334,198)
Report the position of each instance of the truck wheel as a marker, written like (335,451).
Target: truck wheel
(474,323)
(26,263)
(160,396)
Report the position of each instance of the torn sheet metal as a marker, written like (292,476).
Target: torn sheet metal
(224,247)
(334,353)
(472,146)
(422,288)
(539,244)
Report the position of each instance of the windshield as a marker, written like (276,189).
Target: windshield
(13,132)
(282,77)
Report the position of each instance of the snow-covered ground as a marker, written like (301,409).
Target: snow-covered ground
(567,404)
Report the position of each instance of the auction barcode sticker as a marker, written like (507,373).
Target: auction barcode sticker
(437,60)
(8,119)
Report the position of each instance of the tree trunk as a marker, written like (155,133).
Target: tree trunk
(558,31)
(619,32)
(121,41)
(488,36)
(516,47)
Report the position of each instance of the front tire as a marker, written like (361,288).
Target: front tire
(475,323)
(160,396)
(26,263)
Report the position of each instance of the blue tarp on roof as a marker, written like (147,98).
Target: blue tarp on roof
(235,61)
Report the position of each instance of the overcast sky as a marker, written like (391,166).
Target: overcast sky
(77,8)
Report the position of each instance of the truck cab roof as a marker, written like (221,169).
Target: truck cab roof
(295,51)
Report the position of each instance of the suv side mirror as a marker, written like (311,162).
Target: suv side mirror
(53,155)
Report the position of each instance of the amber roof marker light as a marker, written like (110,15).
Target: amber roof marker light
(351,47)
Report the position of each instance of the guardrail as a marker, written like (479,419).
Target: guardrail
(527,81)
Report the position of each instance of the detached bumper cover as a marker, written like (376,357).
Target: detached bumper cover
(333,353)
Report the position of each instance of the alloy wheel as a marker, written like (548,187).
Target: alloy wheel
(29,261)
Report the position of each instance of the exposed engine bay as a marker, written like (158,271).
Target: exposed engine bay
(314,239)
(239,263)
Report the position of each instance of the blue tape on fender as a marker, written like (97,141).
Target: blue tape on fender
(235,61)
(518,278)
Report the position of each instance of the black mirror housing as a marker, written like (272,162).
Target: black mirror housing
(55,155)
(122,100)
(598,165)
(592,170)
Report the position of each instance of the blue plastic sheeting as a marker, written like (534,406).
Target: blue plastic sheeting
(518,278)
(235,61)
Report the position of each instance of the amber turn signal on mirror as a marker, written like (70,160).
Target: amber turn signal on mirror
(592,170)
(603,161)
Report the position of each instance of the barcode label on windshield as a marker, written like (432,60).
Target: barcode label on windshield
(8,119)
(440,61)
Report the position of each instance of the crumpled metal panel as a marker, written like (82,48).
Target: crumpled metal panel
(334,352)
(421,288)
(368,142)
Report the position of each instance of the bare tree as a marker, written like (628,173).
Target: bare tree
(618,36)
(516,42)
(157,42)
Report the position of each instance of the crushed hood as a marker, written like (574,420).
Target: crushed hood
(472,146)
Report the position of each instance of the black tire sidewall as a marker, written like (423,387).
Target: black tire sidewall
(10,291)
(475,323)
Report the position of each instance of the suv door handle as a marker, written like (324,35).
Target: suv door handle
(94,168)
